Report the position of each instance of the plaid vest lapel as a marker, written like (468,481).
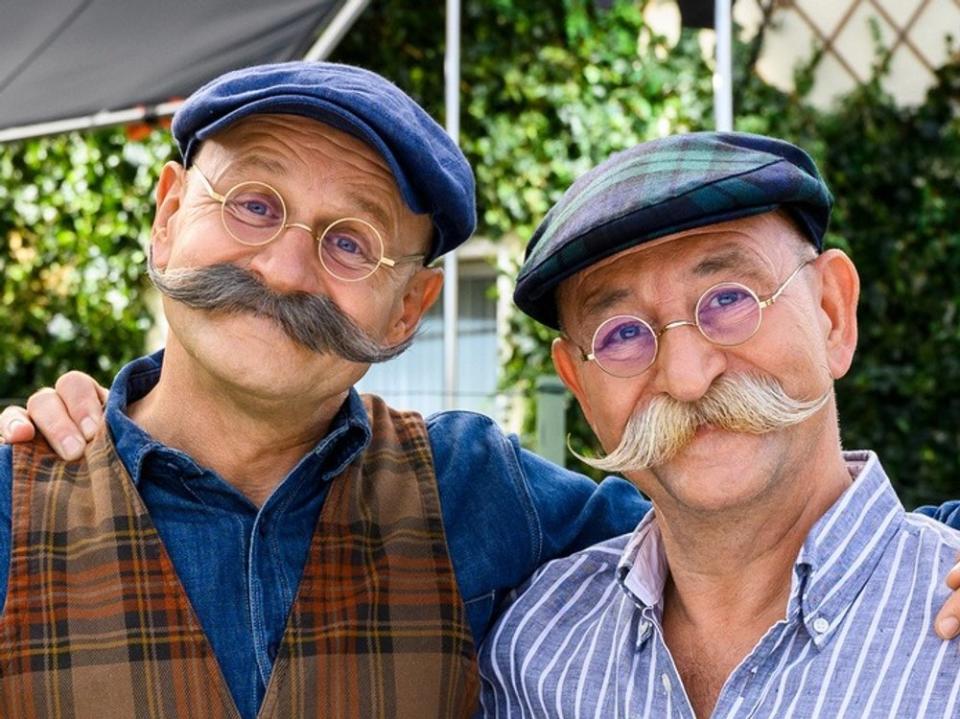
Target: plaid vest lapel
(379,628)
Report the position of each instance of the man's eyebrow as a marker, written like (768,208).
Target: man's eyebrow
(600,302)
(257,162)
(371,210)
(733,262)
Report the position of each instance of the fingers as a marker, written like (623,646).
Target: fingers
(953,576)
(947,623)
(55,423)
(83,399)
(15,426)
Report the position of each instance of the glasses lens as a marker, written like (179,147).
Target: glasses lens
(728,314)
(351,249)
(624,346)
(253,213)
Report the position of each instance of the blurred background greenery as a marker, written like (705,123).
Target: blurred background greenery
(549,89)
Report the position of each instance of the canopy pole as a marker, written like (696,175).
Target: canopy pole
(723,74)
(91,122)
(333,33)
(451,72)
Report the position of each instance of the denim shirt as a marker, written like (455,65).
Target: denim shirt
(505,512)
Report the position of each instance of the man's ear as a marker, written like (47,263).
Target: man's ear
(840,291)
(568,363)
(168,196)
(421,292)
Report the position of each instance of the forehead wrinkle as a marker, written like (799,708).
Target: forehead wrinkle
(254,161)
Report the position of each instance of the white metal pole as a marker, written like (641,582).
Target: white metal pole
(90,122)
(723,75)
(451,72)
(333,33)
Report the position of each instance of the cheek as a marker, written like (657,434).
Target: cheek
(612,402)
(197,238)
(795,354)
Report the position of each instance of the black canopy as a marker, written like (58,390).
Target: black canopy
(62,59)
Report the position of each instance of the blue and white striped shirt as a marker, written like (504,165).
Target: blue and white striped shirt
(584,637)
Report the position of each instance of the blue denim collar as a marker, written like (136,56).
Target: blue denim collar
(348,436)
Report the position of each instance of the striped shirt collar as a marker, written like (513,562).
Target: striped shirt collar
(836,559)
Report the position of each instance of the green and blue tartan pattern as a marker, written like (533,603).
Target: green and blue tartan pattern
(97,623)
(660,188)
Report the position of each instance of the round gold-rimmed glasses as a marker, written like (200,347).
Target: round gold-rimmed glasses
(727,314)
(255,213)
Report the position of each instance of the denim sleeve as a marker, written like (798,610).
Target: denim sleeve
(948,513)
(506,511)
(6,513)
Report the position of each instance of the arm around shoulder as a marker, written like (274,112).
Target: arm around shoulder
(948,513)
(6,516)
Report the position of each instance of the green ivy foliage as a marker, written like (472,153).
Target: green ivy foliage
(896,174)
(75,214)
(548,90)
(552,88)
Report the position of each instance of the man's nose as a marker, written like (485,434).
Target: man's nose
(687,363)
(289,262)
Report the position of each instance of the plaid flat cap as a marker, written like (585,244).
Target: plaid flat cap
(662,187)
(433,175)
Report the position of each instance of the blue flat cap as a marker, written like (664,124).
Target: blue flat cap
(661,187)
(433,175)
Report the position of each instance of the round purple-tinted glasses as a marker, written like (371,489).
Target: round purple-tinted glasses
(726,314)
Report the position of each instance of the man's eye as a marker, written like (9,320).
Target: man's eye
(621,333)
(628,332)
(256,207)
(726,297)
(347,244)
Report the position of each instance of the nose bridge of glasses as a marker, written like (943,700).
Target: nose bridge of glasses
(299,225)
(674,324)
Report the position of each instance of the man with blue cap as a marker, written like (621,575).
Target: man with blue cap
(702,328)
(248,537)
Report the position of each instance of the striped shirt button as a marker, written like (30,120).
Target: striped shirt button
(820,625)
(666,682)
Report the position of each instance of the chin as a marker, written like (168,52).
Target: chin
(718,471)
(251,352)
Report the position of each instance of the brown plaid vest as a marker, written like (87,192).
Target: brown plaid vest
(97,625)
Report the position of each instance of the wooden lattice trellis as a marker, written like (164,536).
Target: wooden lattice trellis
(828,36)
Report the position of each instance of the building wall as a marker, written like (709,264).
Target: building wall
(917,33)
(415,379)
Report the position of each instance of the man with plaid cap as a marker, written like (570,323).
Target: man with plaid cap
(248,536)
(702,328)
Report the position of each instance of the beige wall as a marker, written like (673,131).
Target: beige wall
(915,30)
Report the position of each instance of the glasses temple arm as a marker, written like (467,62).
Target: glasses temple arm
(776,295)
